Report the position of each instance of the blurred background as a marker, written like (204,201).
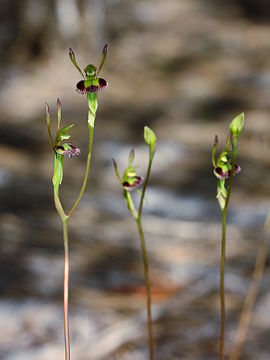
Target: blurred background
(184,68)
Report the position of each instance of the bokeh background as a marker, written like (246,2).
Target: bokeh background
(185,68)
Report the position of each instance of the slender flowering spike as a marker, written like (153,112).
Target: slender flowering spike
(224,169)
(74,62)
(90,85)
(131,181)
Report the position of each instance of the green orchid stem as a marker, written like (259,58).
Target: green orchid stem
(89,155)
(64,219)
(222,291)
(223,259)
(148,289)
(145,262)
(66,285)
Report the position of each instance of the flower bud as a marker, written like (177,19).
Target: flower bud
(237,125)
(150,139)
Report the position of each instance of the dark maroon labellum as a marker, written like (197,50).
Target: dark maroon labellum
(220,174)
(137,182)
(80,87)
(74,150)
(102,83)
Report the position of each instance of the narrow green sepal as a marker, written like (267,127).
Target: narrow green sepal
(104,55)
(214,151)
(116,171)
(58,114)
(48,118)
(74,62)
(131,156)
(48,121)
(237,124)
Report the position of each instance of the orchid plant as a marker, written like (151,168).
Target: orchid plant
(90,85)
(225,167)
(129,182)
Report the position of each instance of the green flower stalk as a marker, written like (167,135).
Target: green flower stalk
(225,168)
(129,182)
(90,85)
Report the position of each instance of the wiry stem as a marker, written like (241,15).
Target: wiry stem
(89,155)
(148,289)
(66,285)
(222,291)
(145,262)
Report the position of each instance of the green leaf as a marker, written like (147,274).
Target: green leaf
(62,134)
(237,125)
(93,105)
(221,193)
(57,170)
